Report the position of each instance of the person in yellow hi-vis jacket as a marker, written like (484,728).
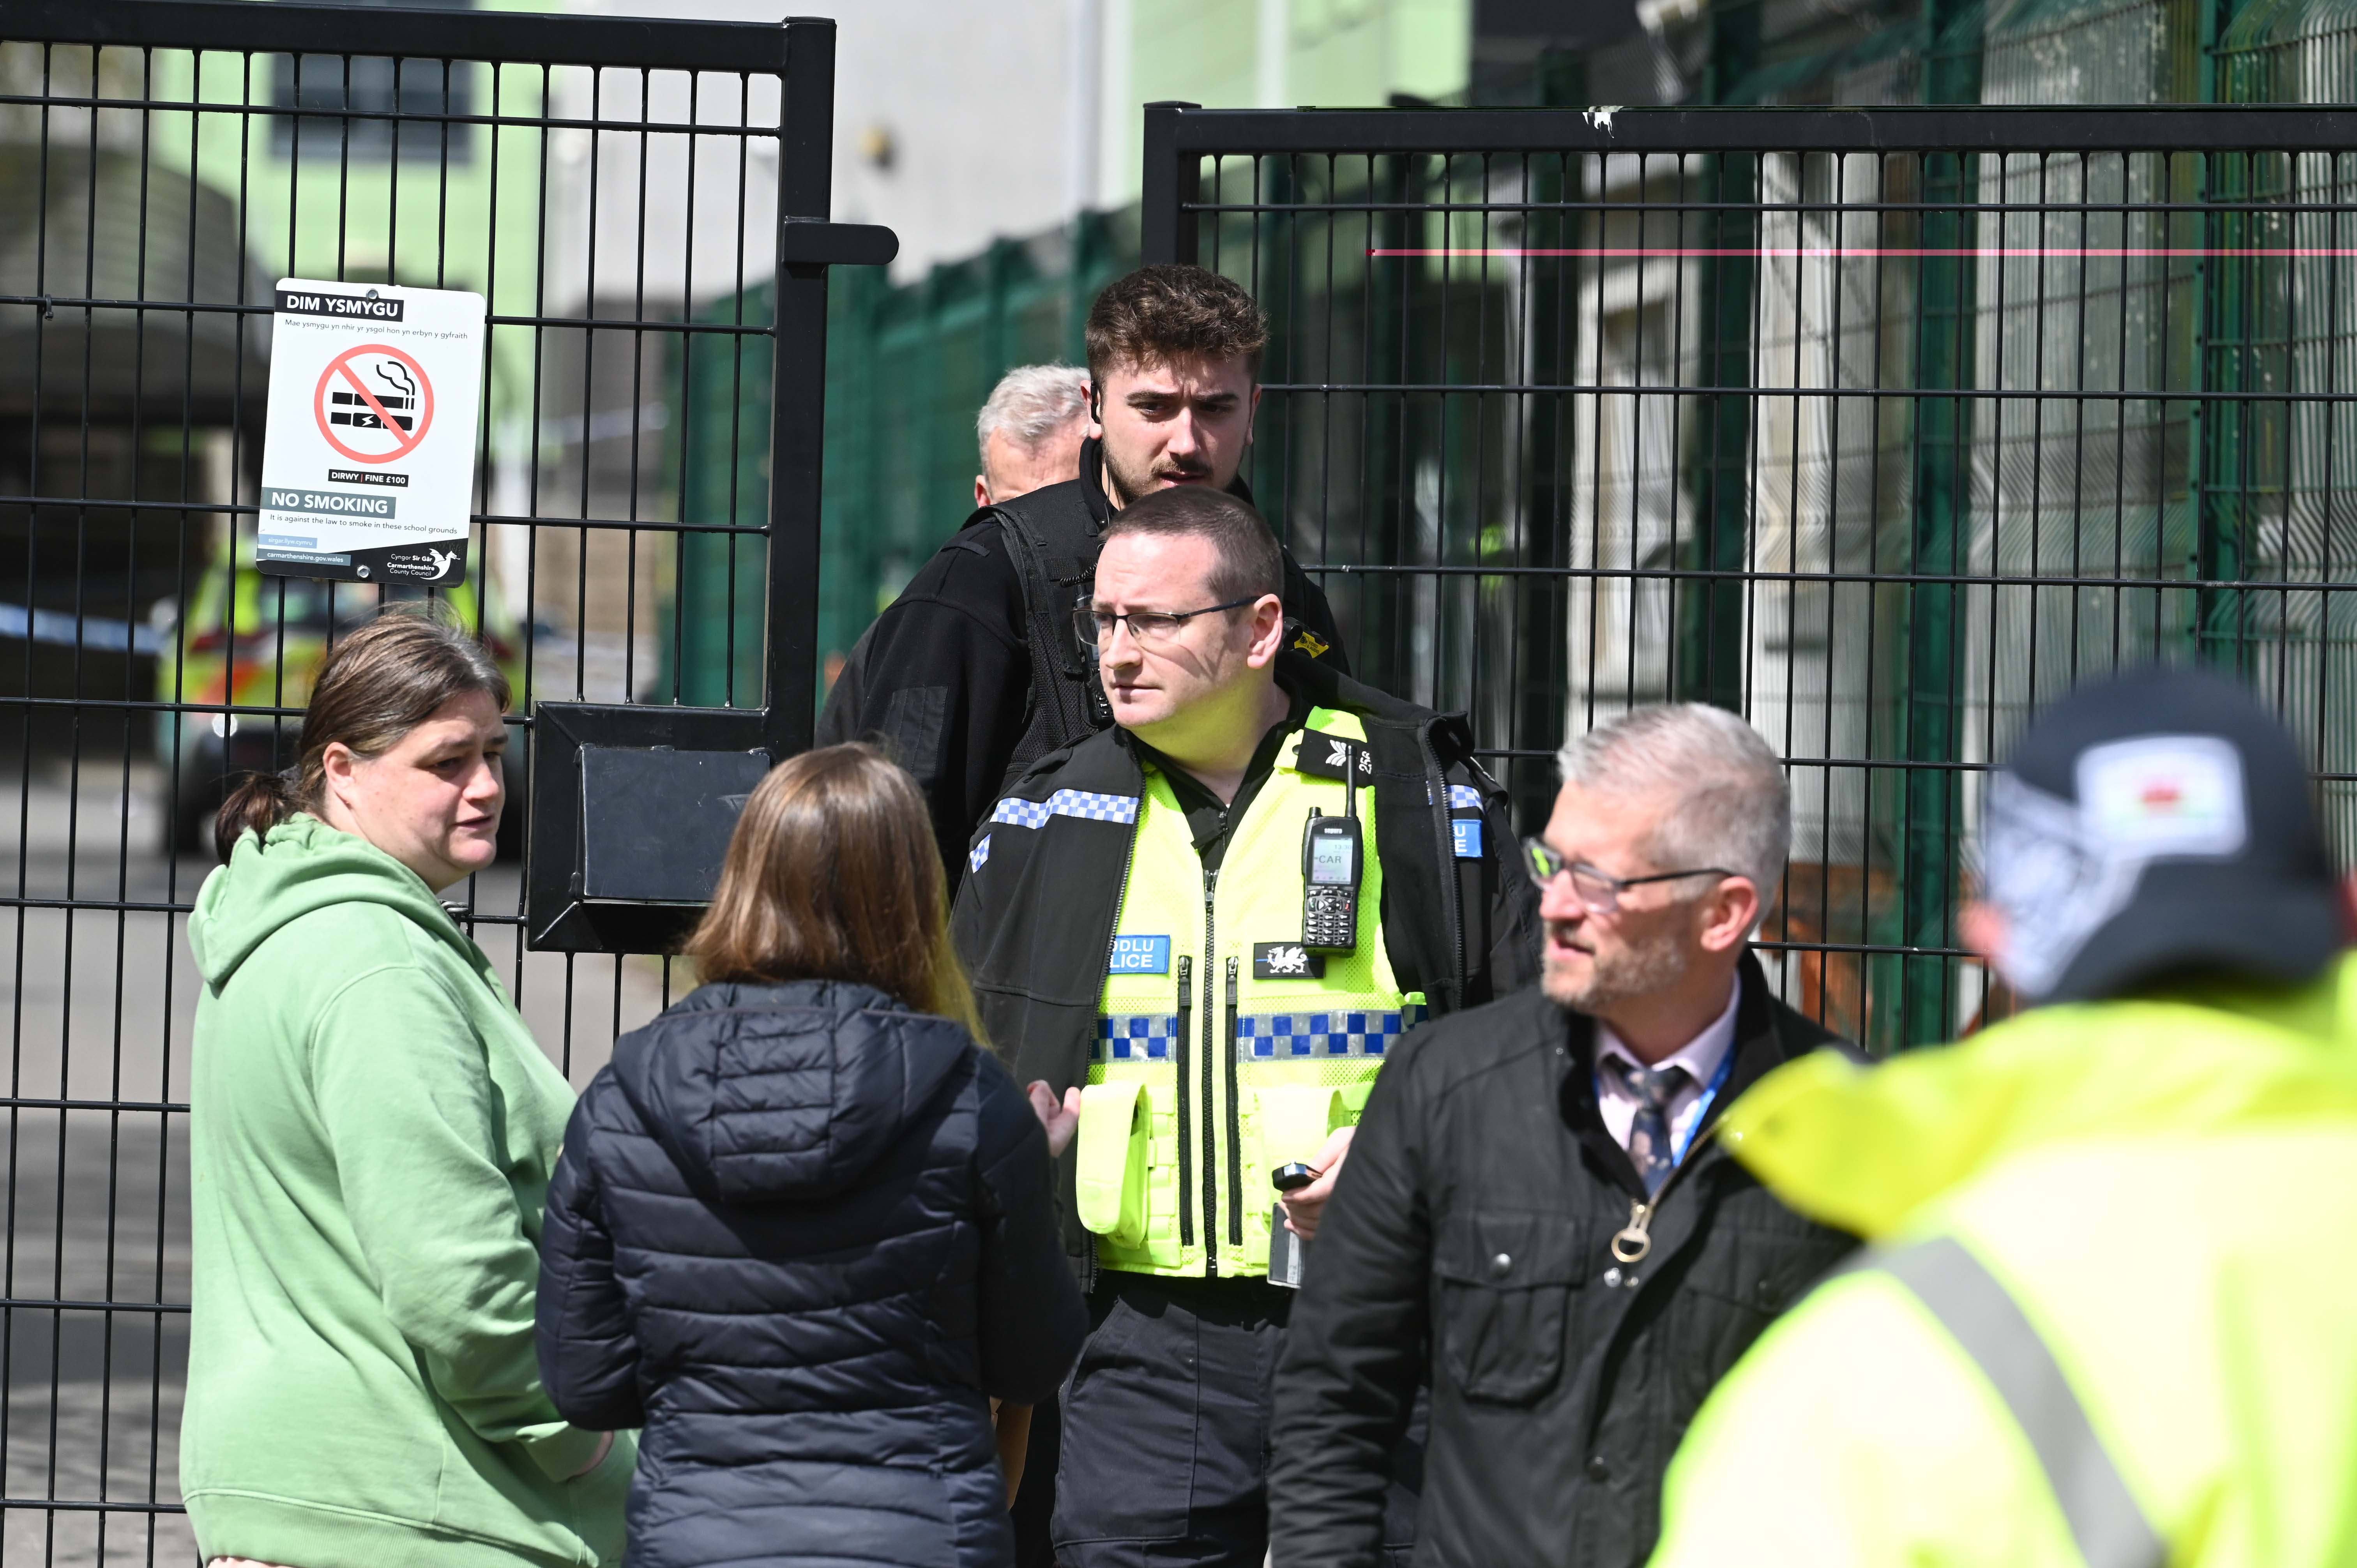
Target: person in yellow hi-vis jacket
(1201,931)
(2104,1321)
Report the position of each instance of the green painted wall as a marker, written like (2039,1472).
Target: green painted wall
(1337,54)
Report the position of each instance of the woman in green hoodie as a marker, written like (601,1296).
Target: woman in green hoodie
(371,1134)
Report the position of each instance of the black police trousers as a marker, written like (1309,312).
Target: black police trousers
(1166,1426)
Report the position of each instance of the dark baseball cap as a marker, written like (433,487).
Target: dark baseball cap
(2153,823)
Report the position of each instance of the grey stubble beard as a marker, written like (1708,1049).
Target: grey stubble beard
(1630,974)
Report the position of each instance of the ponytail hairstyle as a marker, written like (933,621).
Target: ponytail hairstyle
(833,874)
(378,684)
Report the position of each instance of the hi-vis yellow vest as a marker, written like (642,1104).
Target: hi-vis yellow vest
(1220,1055)
(2102,1318)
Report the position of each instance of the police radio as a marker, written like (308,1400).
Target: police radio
(1332,857)
(1286,1251)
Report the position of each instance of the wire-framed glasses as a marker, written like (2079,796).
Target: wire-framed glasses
(1599,891)
(1149,627)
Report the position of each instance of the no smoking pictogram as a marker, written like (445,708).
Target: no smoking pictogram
(367,468)
(373,392)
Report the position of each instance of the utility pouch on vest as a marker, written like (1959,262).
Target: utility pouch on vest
(1109,1175)
(1295,1120)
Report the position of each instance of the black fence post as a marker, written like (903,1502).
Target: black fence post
(798,419)
(1172,182)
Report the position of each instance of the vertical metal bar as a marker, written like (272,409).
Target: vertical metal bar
(582,548)
(637,402)
(1712,629)
(2219,449)
(532,472)
(2218,446)
(1947,305)
(798,400)
(682,381)
(1171,181)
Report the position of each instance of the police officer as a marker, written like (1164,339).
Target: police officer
(2104,1321)
(972,673)
(1201,931)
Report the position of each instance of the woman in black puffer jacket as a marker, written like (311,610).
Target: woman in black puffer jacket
(802,1230)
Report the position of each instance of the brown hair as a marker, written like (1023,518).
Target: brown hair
(378,684)
(1159,313)
(1249,562)
(833,875)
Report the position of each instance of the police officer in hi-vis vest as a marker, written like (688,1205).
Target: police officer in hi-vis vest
(1201,931)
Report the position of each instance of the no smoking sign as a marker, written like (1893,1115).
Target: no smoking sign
(400,408)
(368,470)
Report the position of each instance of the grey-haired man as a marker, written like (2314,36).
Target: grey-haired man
(1029,432)
(1534,1219)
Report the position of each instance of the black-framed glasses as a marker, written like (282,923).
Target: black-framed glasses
(1599,892)
(1149,627)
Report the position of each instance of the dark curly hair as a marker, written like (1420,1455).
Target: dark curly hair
(1162,312)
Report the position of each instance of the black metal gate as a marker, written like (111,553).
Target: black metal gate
(601,183)
(1878,425)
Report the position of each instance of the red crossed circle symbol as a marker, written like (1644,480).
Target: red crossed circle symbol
(341,369)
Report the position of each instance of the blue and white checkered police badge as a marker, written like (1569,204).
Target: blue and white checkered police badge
(1140,955)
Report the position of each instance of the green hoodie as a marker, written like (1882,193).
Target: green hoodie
(371,1133)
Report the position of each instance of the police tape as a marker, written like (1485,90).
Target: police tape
(64,630)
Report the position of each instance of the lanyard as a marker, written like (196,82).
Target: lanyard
(1702,1106)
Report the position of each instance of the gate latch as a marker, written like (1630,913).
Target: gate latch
(816,243)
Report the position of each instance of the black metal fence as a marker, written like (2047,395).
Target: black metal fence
(600,183)
(1879,426)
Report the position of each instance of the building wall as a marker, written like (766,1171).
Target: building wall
(957,125)
(1245,54)
(954,121)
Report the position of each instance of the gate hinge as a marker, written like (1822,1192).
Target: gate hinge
(816,243)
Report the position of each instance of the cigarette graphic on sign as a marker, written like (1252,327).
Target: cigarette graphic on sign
(397,401)
(374,388)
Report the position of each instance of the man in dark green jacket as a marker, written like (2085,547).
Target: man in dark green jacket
(1204,931)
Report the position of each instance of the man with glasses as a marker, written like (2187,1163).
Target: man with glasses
(1201,933)
(1535,1220)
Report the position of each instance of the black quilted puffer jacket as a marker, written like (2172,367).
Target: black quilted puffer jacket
(801,1234)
